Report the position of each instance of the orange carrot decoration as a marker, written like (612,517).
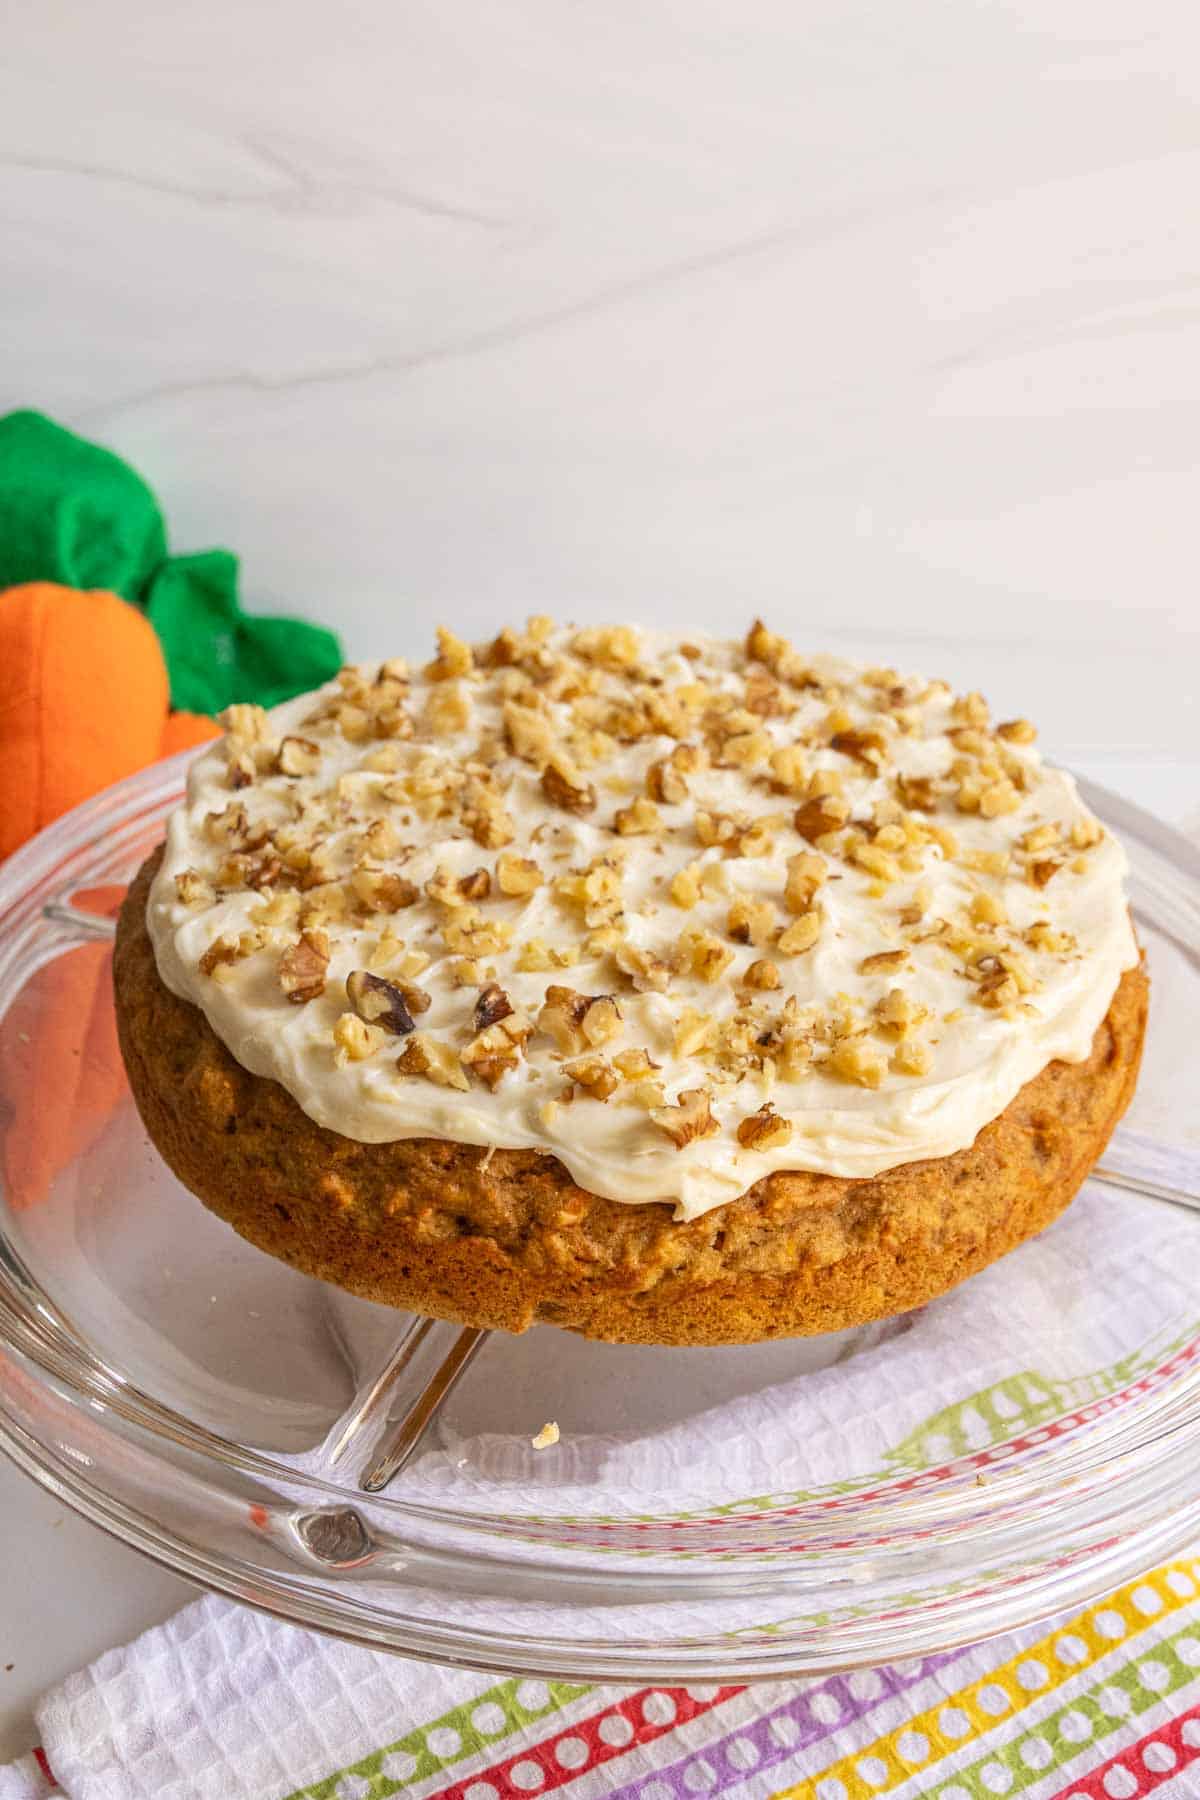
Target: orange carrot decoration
(83,701)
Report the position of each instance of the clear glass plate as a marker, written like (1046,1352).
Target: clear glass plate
(708,1515)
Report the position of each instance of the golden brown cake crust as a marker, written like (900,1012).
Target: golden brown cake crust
(508,1239)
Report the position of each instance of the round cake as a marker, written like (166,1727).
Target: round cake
(677,991)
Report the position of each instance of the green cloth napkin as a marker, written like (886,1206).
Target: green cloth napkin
(74,513)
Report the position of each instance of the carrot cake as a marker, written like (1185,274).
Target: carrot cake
(672,990)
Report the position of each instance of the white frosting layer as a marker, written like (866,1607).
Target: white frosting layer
(979,1056)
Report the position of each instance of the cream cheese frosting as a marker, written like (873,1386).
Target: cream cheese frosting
(677,911)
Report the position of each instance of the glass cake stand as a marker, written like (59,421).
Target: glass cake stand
(1018,1447)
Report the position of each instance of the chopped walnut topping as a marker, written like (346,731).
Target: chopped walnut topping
(485,816)
(579,1021)
(298,756)
(245,724)
(475,886)
(764,695)
(467,933)
(454,658)
(303,966)
(789,771)
(492,1005)
(436,1061)
(899,1014)
(536,957)
(880,863)
(1001,797)
(912,1057)
(705,954)
(641,819)
(1043,871)
(379,1002)
(751,921)
(916,792)
(594,1075)
(354,1040)
(997,986)
(447,711)
(1085,833)
(869,748)
(988,909)
(648,974)
(806,872)
(242,768)
(762,975)
(1039,837)
(529,734)
(383,891)
(666,779)
(634,1064)
(800,935)
(694,1032)
(193,889)
(688,1119)
(497,1048)
(818,817)
(517,876)
(612,646)
(1041,935)
(883,962)
(563,787)
(764,1130)
(858,1061)
(1016,731)
(685,887)
(221,953)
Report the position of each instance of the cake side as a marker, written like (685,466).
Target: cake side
(506,1238)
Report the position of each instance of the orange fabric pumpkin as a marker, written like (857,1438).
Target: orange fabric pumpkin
(83,701)
(187,731)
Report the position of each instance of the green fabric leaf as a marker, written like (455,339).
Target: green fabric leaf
(216,654)
(74,513)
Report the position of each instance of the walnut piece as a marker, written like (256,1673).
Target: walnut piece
(563,787)
(883,962)
(640,819)
(517,876)
(579,1021)
(806,872)
(821,815)
(648,974)
(354,1040)
(303,966)
(492,1005)
(688,1119)
(436,1061)
(764,1130)
(751,921)
(857,1061)
(454,658)
(298,756)
(594,1075)
(193,889)
(379,1002)
(383,891)
(800,935)
(762,975)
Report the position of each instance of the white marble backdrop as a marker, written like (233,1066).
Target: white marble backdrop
(882,317)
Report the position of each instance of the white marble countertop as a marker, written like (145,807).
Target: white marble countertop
(884,323)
